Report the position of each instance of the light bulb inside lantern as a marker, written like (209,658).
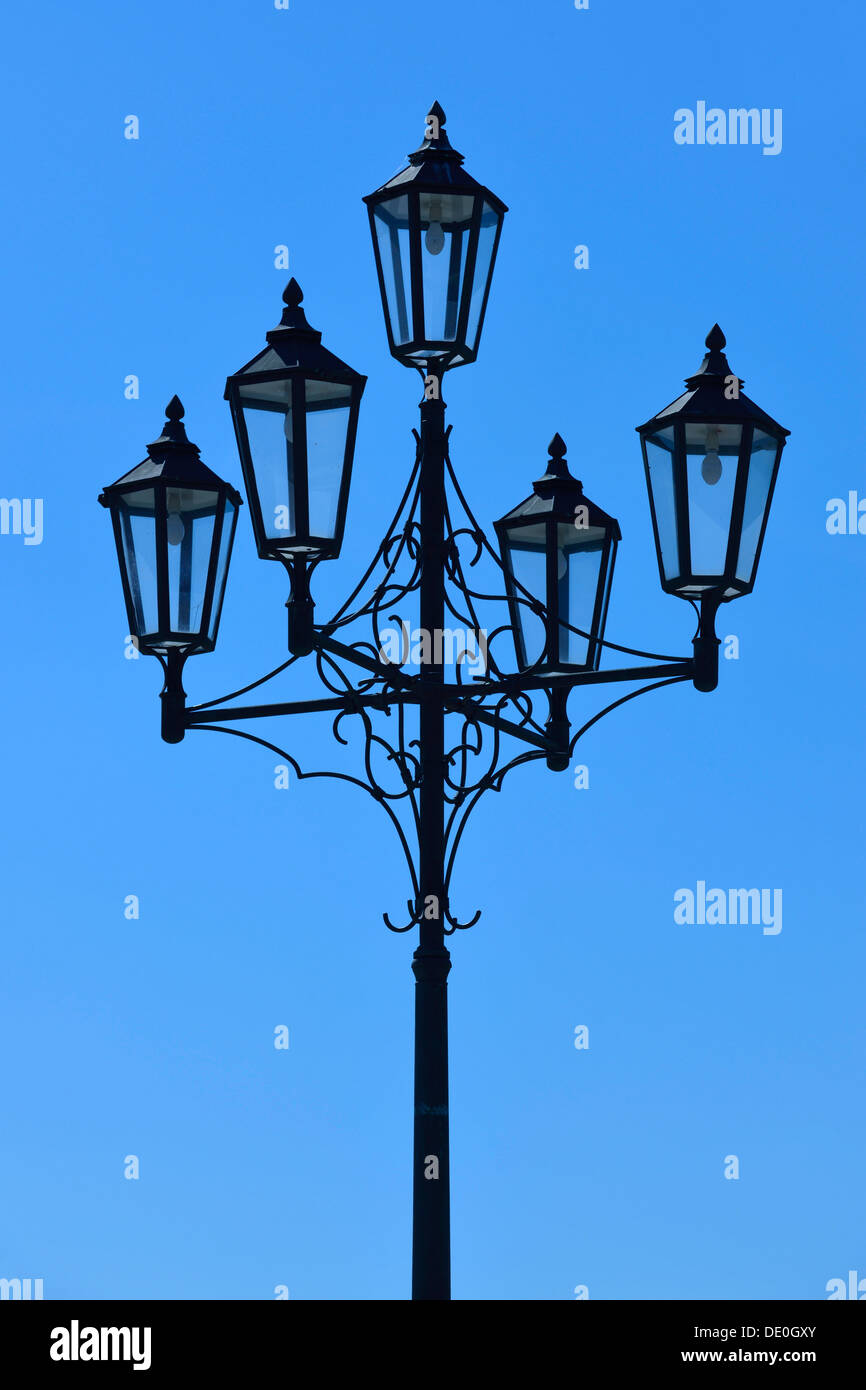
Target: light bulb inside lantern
(711,468)
(174,530)
(561,564)
(434,238)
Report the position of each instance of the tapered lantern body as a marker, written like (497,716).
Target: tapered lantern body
(711,460)
(295,411)
(435,235)
(174,523)
(558,550)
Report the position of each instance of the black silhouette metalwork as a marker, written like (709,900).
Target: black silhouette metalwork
(431,740)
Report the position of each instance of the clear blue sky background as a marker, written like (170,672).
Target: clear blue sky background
(262,907)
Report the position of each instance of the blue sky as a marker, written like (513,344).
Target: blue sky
(261,907)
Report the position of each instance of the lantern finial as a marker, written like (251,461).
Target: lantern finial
(715,362)
(293,318)
(556,447)
(173,431)
(557,474)
(435,138)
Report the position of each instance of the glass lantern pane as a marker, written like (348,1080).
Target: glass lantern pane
(391,220)
(445,221)
(222,568)
(761,463)
(327,425)
(271,439)
(275,392)
(578,562)
(490,220)
(660,463)
(137,514)
(712,454)
(526,552)
(190,516)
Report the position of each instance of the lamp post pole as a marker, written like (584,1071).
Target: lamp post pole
(295,409)
(431,1247)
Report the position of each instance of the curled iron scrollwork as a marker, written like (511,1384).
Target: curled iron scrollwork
(367,679)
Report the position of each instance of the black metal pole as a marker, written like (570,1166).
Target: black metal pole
(431,1229)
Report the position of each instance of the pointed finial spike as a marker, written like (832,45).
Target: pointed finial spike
(715,339)
(292,294)
(436,110)
(556,447)
(174,410)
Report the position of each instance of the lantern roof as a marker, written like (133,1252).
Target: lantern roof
(557,493)
(709,395)
(436,167)
(172,459)
(294,346)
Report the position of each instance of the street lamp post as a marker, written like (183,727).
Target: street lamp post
(711,461)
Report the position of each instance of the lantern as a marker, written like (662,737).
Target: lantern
(295,411)
(435,235)
(558,549)
(711,460)
(174,523)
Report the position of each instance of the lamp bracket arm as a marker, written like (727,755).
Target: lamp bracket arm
(262,680)
(632,695)
(521,683)
(349,703)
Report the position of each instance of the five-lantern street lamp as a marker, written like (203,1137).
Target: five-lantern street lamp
(711,460)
